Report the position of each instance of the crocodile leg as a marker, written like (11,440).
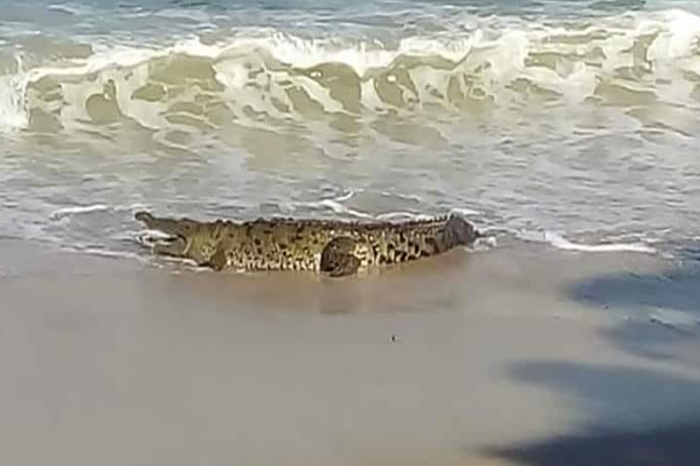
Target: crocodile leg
(218,260)
(337,258)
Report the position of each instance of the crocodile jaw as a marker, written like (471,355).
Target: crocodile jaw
(175,246)
(175,242)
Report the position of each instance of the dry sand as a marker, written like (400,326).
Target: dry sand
(519,355)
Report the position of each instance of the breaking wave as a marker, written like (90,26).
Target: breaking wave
(264,79)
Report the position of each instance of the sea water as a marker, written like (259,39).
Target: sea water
(571,122)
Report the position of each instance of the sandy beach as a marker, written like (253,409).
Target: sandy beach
(566,131)
(517,355)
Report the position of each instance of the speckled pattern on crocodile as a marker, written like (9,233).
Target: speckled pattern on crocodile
(336,248)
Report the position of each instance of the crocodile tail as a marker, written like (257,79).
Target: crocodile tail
(459,232)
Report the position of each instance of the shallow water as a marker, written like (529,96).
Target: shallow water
(574,123)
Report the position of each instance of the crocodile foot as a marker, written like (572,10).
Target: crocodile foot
(337,258)
(218,260)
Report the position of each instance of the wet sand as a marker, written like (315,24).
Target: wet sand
(518,355)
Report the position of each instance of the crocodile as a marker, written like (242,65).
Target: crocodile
(333,247)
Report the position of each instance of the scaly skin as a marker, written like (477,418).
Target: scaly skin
(333,247)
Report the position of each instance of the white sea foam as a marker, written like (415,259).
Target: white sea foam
(680,320)
(77,210)
(13,110)
(339,208)
(402,215)
(485,62)
(88,209)
(335,205)
(465,212)
(73,9)
(560,242)
(485,243)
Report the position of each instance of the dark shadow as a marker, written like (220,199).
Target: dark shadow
(649,338)
(672,446)
(632,417)
(629,396)
(658,309)
(678,289)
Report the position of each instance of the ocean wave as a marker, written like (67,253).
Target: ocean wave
(259,79)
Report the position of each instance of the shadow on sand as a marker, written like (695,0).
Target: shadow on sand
(628,415)
(655,310)
(673,446)
(676,289)
(632,417)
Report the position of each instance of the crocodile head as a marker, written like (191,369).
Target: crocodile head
(187,239)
